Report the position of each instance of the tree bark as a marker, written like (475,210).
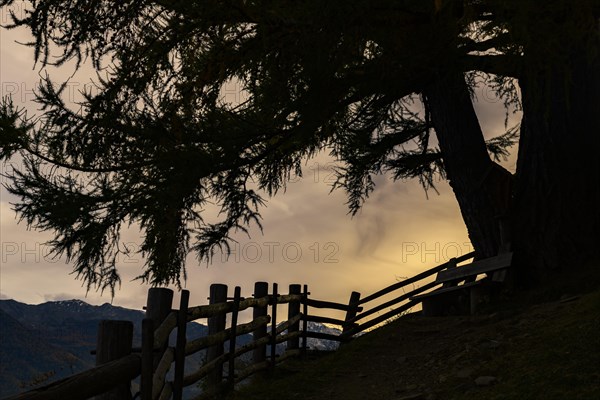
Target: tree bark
(558,169)
(482,187)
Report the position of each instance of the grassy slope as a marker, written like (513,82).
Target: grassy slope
(539,347)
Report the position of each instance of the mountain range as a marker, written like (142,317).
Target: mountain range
(50,341)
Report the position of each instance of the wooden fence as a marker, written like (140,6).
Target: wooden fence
(119,364)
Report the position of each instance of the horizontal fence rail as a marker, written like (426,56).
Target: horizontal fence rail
(327,304)
(415,278)
(204,342)
(156,357)
(212,310)
(89,383)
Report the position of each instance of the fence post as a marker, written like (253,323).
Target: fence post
(180,346)
(159,305)
(216,324)
(294,310)
(114,341)
(259,355)
(304,320)
(147,359)
(453,264)
(352,311)
(274,327)
(232,340)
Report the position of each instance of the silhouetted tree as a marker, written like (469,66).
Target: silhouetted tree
(557,219)
(155,142)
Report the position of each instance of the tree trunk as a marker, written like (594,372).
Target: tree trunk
(482,187)
(558,186)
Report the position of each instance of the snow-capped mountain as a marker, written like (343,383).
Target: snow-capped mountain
(320,344)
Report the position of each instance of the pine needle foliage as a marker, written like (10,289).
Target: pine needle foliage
(155,144)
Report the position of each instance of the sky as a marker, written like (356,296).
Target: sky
(308,236)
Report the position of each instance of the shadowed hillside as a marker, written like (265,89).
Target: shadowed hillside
(71,324)
(45,342)
(544,346)
(20,345)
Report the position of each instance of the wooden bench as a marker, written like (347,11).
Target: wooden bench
(461,292)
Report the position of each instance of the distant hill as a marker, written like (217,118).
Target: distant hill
(27,359)
(46,342)
(71,325)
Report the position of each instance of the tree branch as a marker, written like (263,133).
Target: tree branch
(85,169)
(503,65)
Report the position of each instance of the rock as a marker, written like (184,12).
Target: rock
(464,373)
(456,357)
(429,361)
(401,360)
(485,380)
(567,299)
